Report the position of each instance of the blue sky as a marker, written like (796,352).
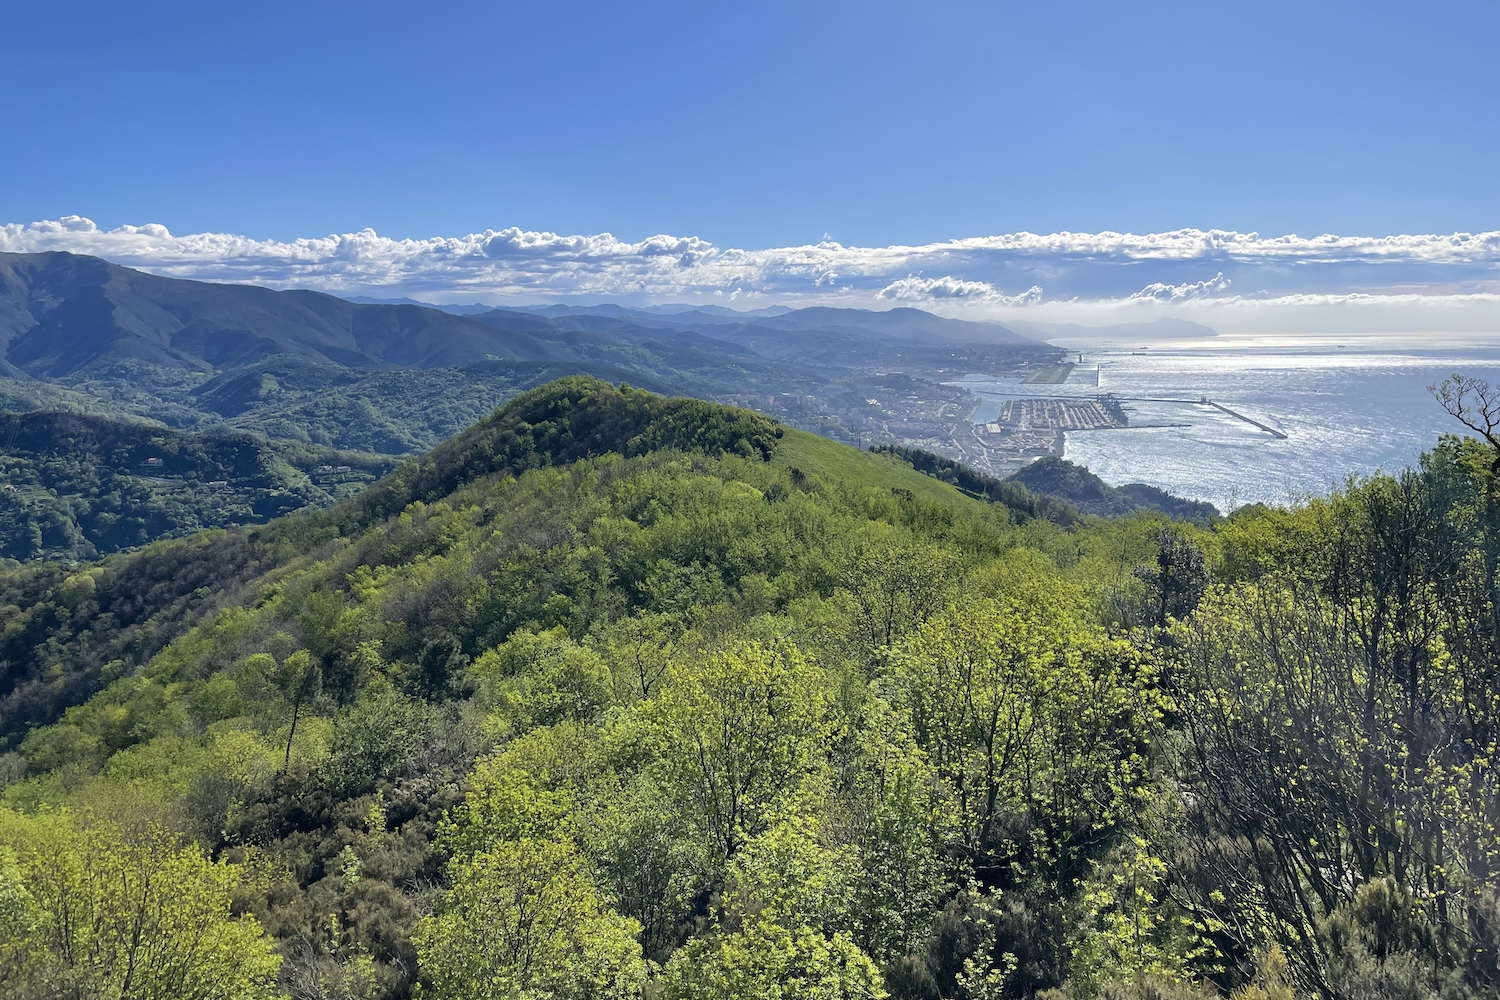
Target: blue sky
(753,125)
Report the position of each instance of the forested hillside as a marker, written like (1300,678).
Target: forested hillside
(1054,488)
(1057,477)
(76,486)
(614,695)
(62,313)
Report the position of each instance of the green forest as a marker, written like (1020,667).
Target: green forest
(77,486)
(617,695)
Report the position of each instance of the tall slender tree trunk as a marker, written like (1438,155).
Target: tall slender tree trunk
(286,764)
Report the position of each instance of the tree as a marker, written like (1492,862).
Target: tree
(638,650)
(20,951)
(538,679)
(525,916)
(299,678)
(893,815)
(739,732)
(896,587)
(1474,403)
(1177,581)
(373,738)
(439,665)
(765,960)
(1122,933)
(1030,718)
(1340,715)
(523,919)
(96,913)
(778,936)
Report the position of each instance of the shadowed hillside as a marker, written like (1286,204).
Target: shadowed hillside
(1057,477)
(61,313)
(77,486)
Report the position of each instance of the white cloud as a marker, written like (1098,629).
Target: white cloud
(913,288)
(1187,244)
(1159,270)
(1159,292)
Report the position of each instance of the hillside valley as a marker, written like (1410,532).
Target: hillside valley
(600,501)
(78,332)
(277,374)
(663,696)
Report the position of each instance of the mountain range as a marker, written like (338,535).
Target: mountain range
(61,314)
(80,334)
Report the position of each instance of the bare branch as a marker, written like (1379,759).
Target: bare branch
(1473,402)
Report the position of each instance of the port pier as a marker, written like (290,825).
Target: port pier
(1200,401)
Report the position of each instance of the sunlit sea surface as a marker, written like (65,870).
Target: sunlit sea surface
(1347,406)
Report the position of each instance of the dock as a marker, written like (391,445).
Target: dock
(1205,401)
(1054,375)
(1200,401)
(1269,430)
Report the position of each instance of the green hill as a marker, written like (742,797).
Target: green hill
(76,486)
(1057,477)
(390,412)
(619,695)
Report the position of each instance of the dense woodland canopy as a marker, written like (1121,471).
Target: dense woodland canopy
(620,696)
(77,486)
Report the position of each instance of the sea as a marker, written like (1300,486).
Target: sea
(1347,406)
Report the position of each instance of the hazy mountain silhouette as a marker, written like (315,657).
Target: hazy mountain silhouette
(62,313)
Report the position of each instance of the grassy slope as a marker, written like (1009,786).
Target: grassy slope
(822,457)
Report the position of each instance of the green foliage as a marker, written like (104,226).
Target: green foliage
(1123,935)
(96,912)
(298,678)
(1058,479)
(1175,584)
(670,648)
(1028,713)
(524,916)
(566,420)
(76,487)
(1340,718)
(741,733)
(779,932)
(765,960)
(896,588)
(523,919)
(534,680)
(896,819)
(374,738)
(384,412)
(1024,503)
(621,696)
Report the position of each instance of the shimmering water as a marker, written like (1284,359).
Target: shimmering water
(1347,407)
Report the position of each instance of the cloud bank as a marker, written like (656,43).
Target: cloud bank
(1185,292)
(913,288)
(1242,278)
